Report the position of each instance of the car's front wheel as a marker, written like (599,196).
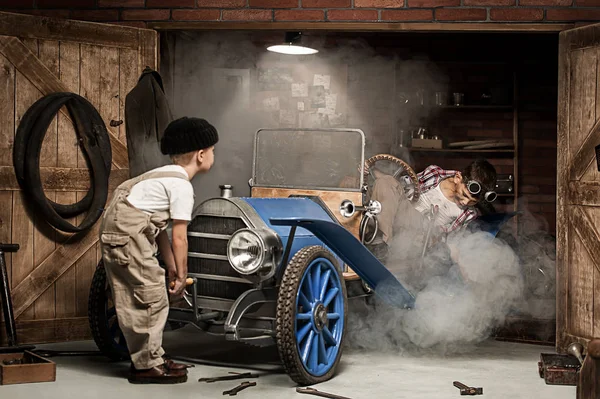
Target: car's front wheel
(311,316)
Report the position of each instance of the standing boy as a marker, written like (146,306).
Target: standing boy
(133,228)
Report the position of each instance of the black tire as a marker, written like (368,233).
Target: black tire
(100,300)
(286,315)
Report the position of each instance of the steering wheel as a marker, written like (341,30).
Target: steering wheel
(397,168)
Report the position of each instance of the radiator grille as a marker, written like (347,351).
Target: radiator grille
(224,226)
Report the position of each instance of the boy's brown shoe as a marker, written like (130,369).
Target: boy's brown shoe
(157,375)
(171,365)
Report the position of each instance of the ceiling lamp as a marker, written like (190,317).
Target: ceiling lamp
(290,46)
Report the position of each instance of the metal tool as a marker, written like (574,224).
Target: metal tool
(240,387)
(466,390)
(575,349)
(312,391)
(233,376)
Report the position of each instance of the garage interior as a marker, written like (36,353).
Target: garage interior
(509,84)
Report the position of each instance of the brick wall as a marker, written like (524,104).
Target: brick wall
(138,12)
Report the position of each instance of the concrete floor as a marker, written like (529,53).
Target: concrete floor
(504,370)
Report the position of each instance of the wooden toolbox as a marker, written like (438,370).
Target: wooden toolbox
(32,368)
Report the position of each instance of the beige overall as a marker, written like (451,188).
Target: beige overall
(128,240)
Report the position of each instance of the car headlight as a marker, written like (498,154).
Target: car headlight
(254,250)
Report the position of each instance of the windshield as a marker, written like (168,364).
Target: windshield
(320,159)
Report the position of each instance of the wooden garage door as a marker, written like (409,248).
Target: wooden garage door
(51,274)
(578,188)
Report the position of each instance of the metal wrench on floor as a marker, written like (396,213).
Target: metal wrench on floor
(467,390)
(312,391)
(240,387)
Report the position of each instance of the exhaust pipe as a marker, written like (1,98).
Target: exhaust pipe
(226,190)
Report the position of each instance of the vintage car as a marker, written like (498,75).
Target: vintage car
(278,267)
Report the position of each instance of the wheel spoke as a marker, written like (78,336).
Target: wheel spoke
(329,337)
(306,349)
(309,283)
(313,359)
(304,316)
(322,351)
(111,312)
(114,328)
(333,316)
(304,301)
(324,285)
(303,331)
(331,294)
(317,281)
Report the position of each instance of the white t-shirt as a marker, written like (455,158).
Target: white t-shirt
(448,211)
(164,194)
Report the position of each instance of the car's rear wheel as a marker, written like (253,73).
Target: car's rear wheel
(103,318)
(311,316)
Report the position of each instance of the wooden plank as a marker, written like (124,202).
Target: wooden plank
(584,37)
(53,330)
(69,75)
(7,111)
(596,308)
(109,86)
(36,27)
(584,193)
(562,216)
(6,200)
(361,26)
(44,236)
(127,80)
(46,274)
(30,66)
(22,261)
(575,108)
(91,88)
(25,95)
(61,179)
(581,298)
(588,234)
(66,298)
(148,50)
(588,103)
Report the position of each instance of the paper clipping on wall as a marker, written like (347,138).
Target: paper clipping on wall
(322,80)
(299,90)
(330,105)
(271,104)
(287,117)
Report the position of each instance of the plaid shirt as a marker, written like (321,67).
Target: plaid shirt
(430,178)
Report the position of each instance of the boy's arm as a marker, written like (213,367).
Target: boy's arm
(180,252)
(166,253)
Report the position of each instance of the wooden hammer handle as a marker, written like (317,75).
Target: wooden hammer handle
(188,281)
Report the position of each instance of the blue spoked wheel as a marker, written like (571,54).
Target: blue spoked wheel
(311,316)
(103,318)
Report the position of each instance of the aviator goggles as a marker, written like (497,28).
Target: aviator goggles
(475,189)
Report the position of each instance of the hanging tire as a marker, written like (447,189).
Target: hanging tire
(103,318)
(311,316)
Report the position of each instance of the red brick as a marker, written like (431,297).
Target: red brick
(352,15)
(379,3)
(572,15)
(221,3)
(45,13)
(66,3)
(274,3)
(299,15)
(95,15)
(433,3)
(145,15)
(588,3)
(489,3)
(563,3)
(461,14)
(247,15)
(121,3)
(326,3)
(407,15)
(16,3)
(196,15)
(170,3)
(133,24)
(514,14)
